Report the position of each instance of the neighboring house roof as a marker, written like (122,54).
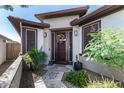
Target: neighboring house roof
(66,12)
(101,12)
(16,23)
(5,38)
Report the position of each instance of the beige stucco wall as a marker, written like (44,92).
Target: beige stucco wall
(47,44)
(77,42)
(60,22)
(115,21)
(2,51)
(40,39)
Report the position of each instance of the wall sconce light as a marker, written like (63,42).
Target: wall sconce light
(45,34)
(76,33)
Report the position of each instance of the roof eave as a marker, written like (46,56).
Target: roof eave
(16,28)
(107,9)
(16,23)
(68,12)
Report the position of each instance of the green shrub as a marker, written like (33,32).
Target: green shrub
(32,58)
(103,84)
(77,78)
(107,47)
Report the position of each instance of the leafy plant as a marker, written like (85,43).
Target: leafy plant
(33,57)
(107,47)
(105,83)
(10,7)
(77,60)
(77,78)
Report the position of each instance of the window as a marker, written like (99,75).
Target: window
(90,28)
(31,39)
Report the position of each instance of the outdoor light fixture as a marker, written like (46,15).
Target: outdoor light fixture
(45,34)
(76,33)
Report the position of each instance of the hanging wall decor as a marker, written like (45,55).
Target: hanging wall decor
(60,38)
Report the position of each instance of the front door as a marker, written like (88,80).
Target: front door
(62,47)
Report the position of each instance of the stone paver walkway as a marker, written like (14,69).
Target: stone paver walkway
(53,76)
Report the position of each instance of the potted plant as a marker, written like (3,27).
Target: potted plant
(77,64)
(51,62)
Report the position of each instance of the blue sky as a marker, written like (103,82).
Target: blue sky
(8,30)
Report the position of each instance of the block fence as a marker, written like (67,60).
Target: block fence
(11,77)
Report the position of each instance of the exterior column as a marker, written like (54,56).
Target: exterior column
(47,44)
(21,52)
(76,42)
(80,40)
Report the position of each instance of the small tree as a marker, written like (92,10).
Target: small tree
(10,7)
(107,47)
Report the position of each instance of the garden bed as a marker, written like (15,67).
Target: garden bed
(96,76)
(67,84)
(115,73)
(30,77)
(93,76)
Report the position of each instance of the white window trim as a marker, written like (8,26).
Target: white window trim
(35,36)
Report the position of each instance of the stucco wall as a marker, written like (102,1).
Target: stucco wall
(115,21)
(60,22)
(47,44)
(40,39)
(44,44)
(77,42)
(2,51)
